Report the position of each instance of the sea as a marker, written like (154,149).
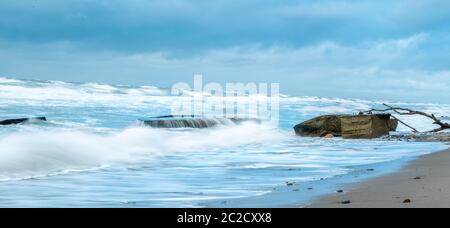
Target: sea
(95,152)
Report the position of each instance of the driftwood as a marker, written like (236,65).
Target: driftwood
(410,112)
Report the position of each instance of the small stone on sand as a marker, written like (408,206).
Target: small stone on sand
(340,191)
(346,202)
(407,201)
(417,178)
(128,202)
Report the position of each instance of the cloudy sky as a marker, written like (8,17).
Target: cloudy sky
(386,49)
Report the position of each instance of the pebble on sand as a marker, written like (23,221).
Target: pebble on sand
(346,202)
(407,201)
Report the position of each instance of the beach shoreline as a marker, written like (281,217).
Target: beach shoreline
(422,183)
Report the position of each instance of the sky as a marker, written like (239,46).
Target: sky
(394,50)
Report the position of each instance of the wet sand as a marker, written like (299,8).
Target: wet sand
(423,183)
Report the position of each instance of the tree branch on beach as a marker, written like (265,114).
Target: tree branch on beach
(410,112)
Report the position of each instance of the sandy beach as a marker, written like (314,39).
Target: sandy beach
(423,183)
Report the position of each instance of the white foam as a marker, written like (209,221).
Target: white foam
(327,110)
(39,152)
(8,80)
(71,94)
(31,92)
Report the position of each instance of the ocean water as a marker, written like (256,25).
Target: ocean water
(93,152)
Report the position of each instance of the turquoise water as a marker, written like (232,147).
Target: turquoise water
(94,153)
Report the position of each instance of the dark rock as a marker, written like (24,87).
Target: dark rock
(290,183)
(370,170)
(21,120)
(407,201)
(310,188)
(346,202)
(417,178)
(439,137)
(340,191)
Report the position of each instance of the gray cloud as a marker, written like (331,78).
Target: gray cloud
(188,25)
(370,49)
(386,69)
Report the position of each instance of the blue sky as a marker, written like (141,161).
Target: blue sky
(394,50)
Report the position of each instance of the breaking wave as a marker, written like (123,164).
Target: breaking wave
(47,152)
(94,135)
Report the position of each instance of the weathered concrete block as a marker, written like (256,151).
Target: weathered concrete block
(192,122)
(348,126)
(319,127)
(393,124)
(365,126)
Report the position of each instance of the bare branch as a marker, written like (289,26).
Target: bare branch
(409,112)
(407,125)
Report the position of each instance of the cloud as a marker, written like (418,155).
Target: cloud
(369,49)
(323,9)
(405,43)
(378,70)
(189,25)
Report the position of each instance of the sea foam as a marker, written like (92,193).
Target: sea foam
(93,145)
(43,152)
